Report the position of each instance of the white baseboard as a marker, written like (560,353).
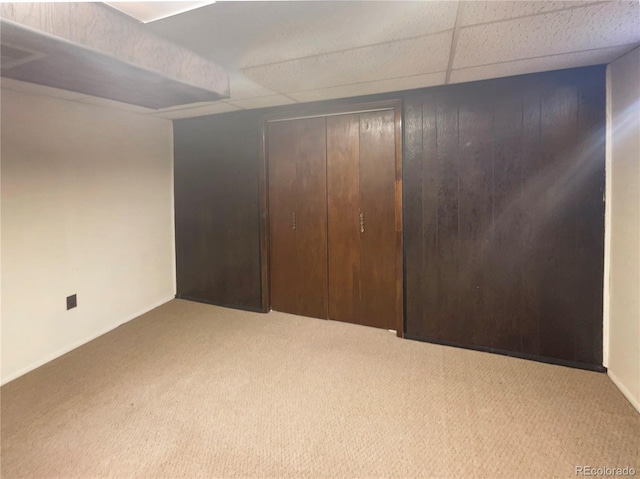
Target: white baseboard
(81,342)
(635,402)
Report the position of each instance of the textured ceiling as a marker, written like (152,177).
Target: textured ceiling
(285,52)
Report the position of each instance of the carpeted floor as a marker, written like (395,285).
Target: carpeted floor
(191,390)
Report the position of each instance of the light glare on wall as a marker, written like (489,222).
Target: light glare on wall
(146,12)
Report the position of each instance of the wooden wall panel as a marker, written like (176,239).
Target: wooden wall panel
(507,218)
(445,172)
(513,259)
(413,197)
(504,177)
(533,247)
(217,209)
(475,203)
(556,208)
(589,238)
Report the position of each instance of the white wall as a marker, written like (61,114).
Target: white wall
(623,219)
(87,208)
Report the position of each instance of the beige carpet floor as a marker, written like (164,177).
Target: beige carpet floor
(191,390)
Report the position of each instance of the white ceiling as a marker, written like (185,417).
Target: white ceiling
(286,52)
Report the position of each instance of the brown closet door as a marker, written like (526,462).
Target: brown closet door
(361,185)
(311,216)
(298,216)
(343,187)
(377,204)
(282,204)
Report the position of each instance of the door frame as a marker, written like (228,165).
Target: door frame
(311,111)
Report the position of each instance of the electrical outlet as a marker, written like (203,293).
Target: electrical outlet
(72,302)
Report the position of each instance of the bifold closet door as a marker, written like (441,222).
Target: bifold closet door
(343,192)
(377,205)
(361,196)
(298,216)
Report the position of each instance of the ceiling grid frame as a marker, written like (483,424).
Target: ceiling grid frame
(454,41)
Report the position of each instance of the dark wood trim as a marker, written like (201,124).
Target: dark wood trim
(263,184)
(328,110)
(398,215)
(513,354)
(305,111)
(214,303)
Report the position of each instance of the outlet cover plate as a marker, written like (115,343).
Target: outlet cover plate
(72,301)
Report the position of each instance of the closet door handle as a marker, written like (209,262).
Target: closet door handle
(293,225)
(361,223)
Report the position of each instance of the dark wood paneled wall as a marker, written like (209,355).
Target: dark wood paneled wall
(217,209)
(504,214)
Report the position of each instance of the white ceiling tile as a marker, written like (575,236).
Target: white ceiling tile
(211,109)
(92,100)
(41,90)
(380,62)
(335,26)
(596,26)
(263,102)
(241,87)
(474,12)
(533,65)
(370,88)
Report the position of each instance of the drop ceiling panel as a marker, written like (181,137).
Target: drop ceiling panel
(221,31)
(370,88)
(533,65)
(595,26)
(241,88)
(263,102)
(211,109)
(380,62)
(483,12)
(336,26)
